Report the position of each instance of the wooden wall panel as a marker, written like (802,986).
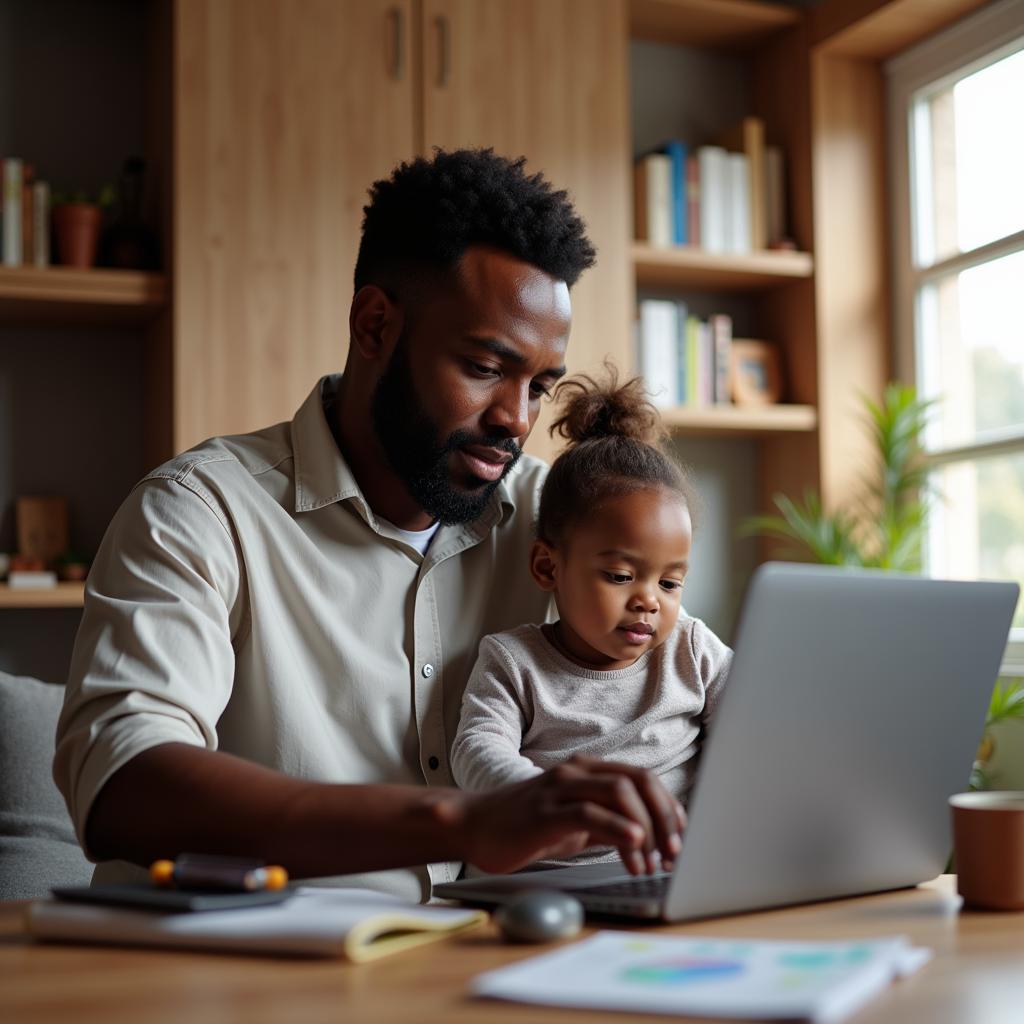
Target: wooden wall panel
(547,79)
(851,263)
(286,110)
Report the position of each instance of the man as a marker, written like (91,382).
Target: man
(279,626)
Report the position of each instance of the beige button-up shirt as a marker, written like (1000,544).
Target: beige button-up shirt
(247,599)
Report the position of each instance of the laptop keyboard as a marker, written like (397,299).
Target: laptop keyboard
(642,887)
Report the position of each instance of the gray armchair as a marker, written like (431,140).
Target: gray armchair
(38,848)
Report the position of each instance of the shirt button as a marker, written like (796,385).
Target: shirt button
(428,671)
(434,763)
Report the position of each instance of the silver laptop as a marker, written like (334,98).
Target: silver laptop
(853,710)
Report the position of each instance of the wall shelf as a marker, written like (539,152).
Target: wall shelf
(42,295)
(64,595)
(716,24)
(683,267)
(741,421)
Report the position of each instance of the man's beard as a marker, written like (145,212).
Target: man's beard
(418,454)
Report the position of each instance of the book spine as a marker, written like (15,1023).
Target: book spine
(12,211)
(28,222)
(775,193)
(682,356)
(753,135)
(721,333)
(739,203)
(693,200)
(677,152)
(641,229)
(659,199)
(41,225)
(707,369)
(713,198)
(658,351)
(692,361)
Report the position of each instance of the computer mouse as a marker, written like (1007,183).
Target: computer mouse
(540,915)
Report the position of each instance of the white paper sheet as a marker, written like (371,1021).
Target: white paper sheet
(817,981)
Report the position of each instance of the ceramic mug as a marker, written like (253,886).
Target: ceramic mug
(988,839)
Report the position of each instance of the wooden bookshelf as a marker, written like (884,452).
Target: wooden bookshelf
(70,294)
(741,421)
(735,25)
(683,267)
(64,595)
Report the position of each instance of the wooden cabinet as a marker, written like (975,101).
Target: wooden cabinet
(287,110)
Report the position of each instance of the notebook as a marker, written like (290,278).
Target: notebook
(352,923)
(821,982)
(853,711)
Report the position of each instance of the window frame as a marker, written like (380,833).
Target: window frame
(971,44)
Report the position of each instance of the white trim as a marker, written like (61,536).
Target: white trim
(1008,245)
(1003,442)
(1013,659)
(974,42)
(977,41)
(952,52)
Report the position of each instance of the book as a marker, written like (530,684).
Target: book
(721,344)
(738,238)
(692,397)
(677,152)
(652,179)
(12,211)
(356,924)
(41,223)
(748,138)
(693,200)
(713,170)
(659,351)
(28,223)
(682,353)
(775,196)
(708,977)
(21,579)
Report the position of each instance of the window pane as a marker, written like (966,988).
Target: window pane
(977,521)
(971,352)
(968,154)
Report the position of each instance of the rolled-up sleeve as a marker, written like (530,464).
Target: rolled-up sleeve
(154,657)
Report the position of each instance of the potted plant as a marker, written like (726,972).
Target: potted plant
(884,529)
(77,220)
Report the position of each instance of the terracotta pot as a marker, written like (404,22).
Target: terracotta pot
(77,226)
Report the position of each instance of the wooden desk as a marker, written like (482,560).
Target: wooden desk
(977,976)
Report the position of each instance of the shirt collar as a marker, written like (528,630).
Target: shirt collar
(322,476)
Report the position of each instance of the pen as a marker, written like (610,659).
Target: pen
(228,874)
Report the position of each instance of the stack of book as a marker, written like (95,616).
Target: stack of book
(726,197)
(683,360)
(25,215)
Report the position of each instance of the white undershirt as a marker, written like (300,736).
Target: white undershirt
(419,539)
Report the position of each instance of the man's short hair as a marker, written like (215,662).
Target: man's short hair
(430,211)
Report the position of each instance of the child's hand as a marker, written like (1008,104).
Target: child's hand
(584,802)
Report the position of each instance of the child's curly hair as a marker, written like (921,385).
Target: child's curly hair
(615,447)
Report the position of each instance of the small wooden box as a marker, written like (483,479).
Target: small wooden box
(42,528)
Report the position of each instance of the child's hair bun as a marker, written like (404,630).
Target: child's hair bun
(594,409)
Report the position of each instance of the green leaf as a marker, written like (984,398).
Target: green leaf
(884,527)
(1007,703)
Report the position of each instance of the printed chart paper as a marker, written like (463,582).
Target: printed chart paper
(816,981)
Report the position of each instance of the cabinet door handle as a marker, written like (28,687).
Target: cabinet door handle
(444,50)
(397,43)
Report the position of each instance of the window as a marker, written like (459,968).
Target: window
(956,106)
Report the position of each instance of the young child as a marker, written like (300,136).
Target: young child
(624,674)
